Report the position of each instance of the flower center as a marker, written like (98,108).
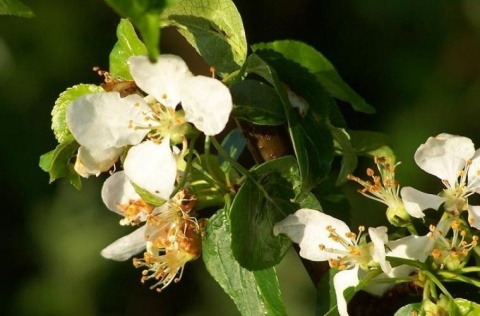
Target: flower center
(350,251)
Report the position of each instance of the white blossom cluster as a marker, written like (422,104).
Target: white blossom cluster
(141,129)
(454,160)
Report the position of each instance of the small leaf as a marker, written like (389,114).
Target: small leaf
(214,28)
(147,196)
(15,7)
(321,67)
(254,293)
(59,111)
(257,103)
(364,142)
(128,45)
(258,205)
(467,308)
(57,162)
(145,15)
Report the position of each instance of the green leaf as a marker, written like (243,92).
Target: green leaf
(57,162)
(257,103)
(259,204)
(344,148)
(326,303)
(254,293)
(467,308)
(59,111)
(321,67)
(311,139)
(145,15)
(234,144)
(147,196)
(364,142)
(214,28)
(15,7)
(128,45)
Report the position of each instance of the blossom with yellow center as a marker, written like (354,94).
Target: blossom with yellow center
(322,237)
(454,160)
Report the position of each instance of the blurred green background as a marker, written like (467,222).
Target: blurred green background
(417,62)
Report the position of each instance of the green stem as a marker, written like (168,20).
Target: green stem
(242,170)
(470,270)
(458,277)
(190,153)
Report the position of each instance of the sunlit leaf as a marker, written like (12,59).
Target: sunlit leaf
(59,112)
(321,67)
(57,162)
(214,28)
(128,45)
(15,7)
(254,293)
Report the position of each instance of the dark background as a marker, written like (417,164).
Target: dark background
(417,62)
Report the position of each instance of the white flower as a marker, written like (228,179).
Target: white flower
(102,124)
(400,202)
(151,167)
(322,237)
(453,160)
(206,101)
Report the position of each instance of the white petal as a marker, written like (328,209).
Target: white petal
(104,120)
(117,189)
(308,228)
(416,202)
(207,103)
(126,247)
(474,216)
(163,79)
(411,247)
(152,167)
(94,162)
(444,155)
(341,281)
(474,172)
(379,239)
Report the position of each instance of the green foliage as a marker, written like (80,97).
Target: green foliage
(457,307)
(326,303)
(257,103)
(214,28)
(254,293)
(321,67)
(234,144)
(59,112)
(311,139)
(145,15)
(128,45)
(57,162)
(15,7)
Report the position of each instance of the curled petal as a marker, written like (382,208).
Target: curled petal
(308,228)
(341,281)
(416,202)
(207,103)
(117,190)
(379,239)
(95,161)
(474,216)
(104,120)
(163,79)
(444,156)
(126,247)
(152,167)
